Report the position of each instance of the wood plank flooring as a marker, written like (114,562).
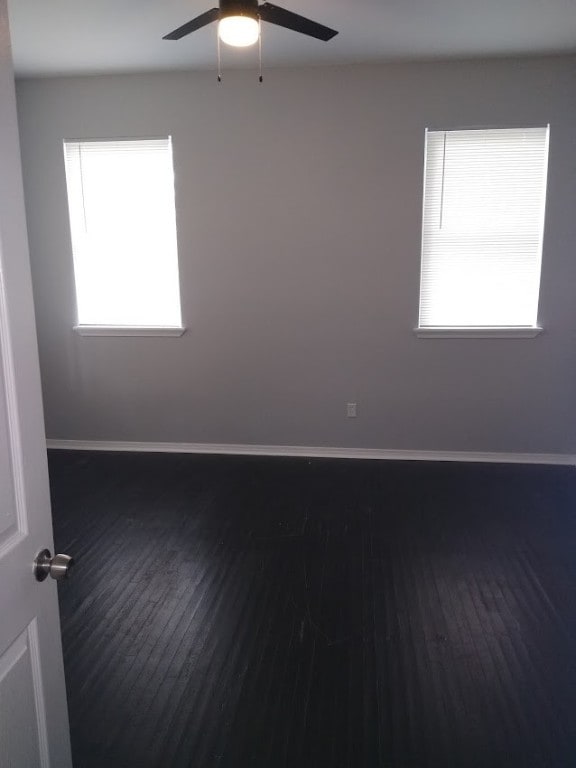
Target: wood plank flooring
(291,613)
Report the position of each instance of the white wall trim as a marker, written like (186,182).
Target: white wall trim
(315,452)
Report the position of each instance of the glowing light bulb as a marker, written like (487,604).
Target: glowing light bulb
(240,31)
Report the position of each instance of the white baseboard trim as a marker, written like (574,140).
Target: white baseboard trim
(315,452)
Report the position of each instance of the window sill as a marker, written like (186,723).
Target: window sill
(478,333)
(129,330)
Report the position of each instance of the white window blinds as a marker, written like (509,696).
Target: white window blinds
(123,226)
(483,221)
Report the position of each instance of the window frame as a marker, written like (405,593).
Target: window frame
(114,330)
(130,330)
(480,332)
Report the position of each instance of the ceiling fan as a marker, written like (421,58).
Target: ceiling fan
(239,22)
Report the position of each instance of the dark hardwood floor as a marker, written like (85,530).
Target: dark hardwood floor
(291,613)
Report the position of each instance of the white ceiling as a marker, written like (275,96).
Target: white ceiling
(79,36)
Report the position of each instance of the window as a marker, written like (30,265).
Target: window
(483,223)
(123,226)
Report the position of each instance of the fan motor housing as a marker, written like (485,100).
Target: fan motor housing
(239,8)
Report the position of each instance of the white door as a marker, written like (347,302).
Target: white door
(33,714)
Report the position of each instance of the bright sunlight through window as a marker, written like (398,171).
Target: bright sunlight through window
(123,226)
(483,223)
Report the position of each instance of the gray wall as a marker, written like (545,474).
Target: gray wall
(299,207)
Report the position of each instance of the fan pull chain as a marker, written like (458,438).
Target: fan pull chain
(260,78)
(219,56)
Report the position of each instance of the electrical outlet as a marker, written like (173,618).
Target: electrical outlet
(351,410)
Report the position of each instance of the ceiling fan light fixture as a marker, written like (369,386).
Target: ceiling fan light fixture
(240,31)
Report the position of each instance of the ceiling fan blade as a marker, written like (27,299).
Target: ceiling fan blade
(191,26)
(283,18)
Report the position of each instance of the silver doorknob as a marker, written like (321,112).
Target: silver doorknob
(58,567)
